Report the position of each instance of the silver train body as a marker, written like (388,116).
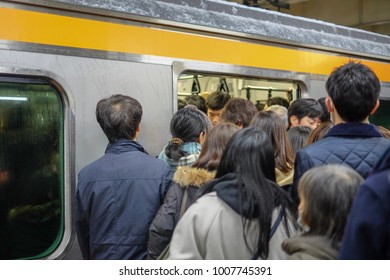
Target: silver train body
(156,71)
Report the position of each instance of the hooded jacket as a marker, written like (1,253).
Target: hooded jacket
(188,179)
(306,247)
(212,229)
(117,198)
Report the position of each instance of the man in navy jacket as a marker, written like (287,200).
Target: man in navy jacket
(367,235)
(119,194)
(353,91)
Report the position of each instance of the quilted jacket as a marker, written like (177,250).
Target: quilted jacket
(357,145)
(367,234)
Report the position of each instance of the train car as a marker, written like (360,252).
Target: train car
(59,58)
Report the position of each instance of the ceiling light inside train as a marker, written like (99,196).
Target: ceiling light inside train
(13,98)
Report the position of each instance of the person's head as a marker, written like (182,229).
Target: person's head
(239,111)
(181,103)
(281,111)
(214,145)
(197,101)
(187,125)
(325,117)
(215,103)
(298,136)
(119,116)
(326,194)
(353,91)
(272,124)
(259,159)
(319,132)
(277,101)
(305,111)
(249,155)
(259,106)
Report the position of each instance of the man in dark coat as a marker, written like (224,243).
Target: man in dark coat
(367,234)
(119,194)
(353,91)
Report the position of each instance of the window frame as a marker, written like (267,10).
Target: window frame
(33,76)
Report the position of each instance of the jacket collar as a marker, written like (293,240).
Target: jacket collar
(190,176)
(361,130)
(124,145)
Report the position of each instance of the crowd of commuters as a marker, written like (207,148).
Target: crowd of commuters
(307,179)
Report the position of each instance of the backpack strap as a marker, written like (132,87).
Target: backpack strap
(273,230)
(276,224)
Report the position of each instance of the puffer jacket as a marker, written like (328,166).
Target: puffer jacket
(117,198)
(188,179)
(357,145)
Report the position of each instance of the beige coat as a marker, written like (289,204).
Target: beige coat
(211,230)
(284,178)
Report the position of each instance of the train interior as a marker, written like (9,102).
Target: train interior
(255,90)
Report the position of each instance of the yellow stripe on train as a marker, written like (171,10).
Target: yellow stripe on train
(42,28)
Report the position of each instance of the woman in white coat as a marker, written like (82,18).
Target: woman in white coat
(242,214)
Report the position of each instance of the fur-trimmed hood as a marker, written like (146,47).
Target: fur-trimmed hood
(186,176)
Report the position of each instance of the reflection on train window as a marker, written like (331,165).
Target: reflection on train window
(31,169)
(256,90)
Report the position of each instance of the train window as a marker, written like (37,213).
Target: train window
(256,90)
(31,168)
(381,115)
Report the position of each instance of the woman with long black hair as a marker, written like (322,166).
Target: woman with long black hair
(242,214)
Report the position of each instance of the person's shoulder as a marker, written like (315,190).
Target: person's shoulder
(209,203)
(379,182)
(321,145)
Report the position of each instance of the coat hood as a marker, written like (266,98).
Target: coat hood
(310,247)
(189,176)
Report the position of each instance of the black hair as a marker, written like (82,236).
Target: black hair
(119,116)
(197,101)
(217,100)
(186,124)
(298,136)
(354,90)
(181,103)
(277,100)
(305,107)
(325,117)
(250,155)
